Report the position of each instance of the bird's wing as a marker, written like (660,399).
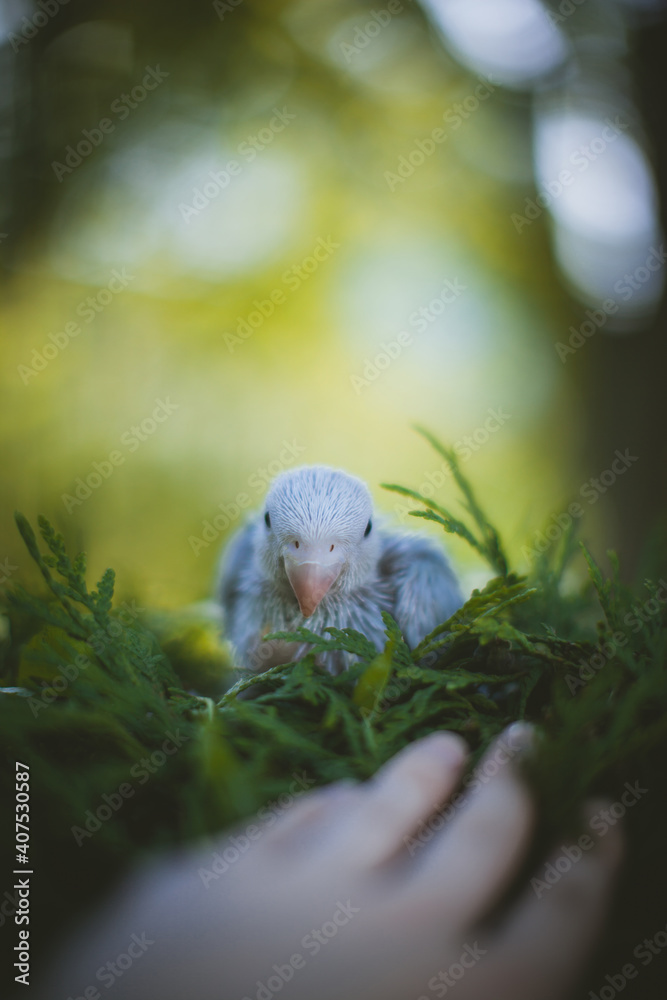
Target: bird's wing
(237,583)
(425,590)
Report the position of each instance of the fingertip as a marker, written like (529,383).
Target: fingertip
(402,796)
(510,747)
(448,746)
(521,736)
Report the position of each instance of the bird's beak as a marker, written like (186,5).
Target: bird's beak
(312,574)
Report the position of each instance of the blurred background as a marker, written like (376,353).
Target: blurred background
(239,236)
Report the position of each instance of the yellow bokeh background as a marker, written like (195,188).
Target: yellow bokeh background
(303,375)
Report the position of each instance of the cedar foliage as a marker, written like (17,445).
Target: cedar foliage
(88,697)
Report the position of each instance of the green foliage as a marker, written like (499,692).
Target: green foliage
(486,541)
(91,694)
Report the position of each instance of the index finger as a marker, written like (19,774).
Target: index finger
(474,858)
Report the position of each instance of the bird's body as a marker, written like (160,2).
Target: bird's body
(315,557)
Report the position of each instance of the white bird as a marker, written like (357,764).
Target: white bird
(316,556)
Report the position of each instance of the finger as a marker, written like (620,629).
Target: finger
(312,813)
(466,867)
(542,948)
(403,794)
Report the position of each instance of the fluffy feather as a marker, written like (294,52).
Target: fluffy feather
(313,535)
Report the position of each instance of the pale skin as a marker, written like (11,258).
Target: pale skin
(328,902)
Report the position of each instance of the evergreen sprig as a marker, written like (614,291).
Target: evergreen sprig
(519,648)
(486,541)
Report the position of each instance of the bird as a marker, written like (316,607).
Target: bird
(317,555)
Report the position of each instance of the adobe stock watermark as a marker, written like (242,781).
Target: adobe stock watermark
(121,625)
(237,844)
(364,34)
(453,117)
(257,482)
(31,26)
(292,279)
(645,952)
(121,108)
(9,906)
(400,683)
(625,287)
(218,180)
(312,943)
(600,824)
(131,439)
(635,620)
(464,449)
(7,570)
(565,10)
(505,750)
(141,771)
(420,320)
(445,979)
(87,309)
(396,687)
(590,491)
(112,970)
(221,7)
(580,159)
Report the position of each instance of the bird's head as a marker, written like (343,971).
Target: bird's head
(318,531)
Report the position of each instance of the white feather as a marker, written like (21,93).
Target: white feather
(404,574)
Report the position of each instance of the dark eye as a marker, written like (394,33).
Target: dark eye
(267,520)
(368,529)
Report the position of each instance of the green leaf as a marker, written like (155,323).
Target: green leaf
(368,689)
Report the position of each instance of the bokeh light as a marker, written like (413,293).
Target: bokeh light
(308,226)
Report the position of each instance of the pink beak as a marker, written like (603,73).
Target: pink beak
(311,578)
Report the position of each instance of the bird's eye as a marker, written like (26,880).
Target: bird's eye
(368,529)
(331,549)
(296,545)
(267,520)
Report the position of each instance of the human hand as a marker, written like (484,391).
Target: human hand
(340,898)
